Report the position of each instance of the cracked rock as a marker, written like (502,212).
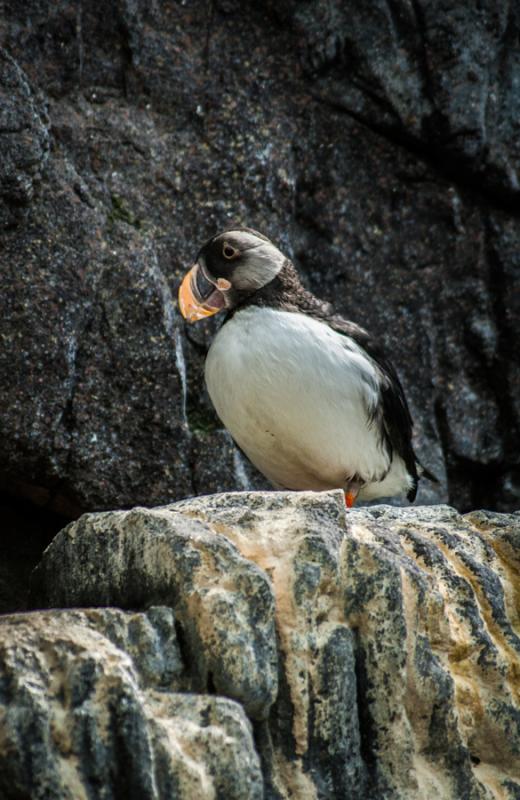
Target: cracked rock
(89,708)
(375,651)
(223,602)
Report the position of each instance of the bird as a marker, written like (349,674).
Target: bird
(310,397)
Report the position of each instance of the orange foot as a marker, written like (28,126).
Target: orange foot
(350,499)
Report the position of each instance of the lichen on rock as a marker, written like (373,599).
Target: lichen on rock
(89,708)
(375,652)
(149,556)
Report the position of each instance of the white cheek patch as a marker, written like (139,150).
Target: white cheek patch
(261,264)
(245,240)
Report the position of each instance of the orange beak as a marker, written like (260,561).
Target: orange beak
(192,306)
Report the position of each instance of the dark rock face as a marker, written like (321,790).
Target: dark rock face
(378,147)
(26,532)
(24,139)
(374,652)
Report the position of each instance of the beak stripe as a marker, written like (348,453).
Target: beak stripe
(191,305)
(202,285)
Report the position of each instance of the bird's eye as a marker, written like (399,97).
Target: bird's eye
(229,252)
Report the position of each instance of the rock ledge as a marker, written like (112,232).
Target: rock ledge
(373,654)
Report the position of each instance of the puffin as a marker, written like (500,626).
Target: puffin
(308,396)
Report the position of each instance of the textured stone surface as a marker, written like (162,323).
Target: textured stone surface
(89,707)
(378,146)
(149,556)
(394,632)
(24,139)
(439,77)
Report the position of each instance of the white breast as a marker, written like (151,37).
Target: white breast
(297,396)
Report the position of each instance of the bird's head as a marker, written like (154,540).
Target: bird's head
(230,266)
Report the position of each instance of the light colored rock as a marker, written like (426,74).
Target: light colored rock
(425,591)
(82,717)
(397,634)
(394,631)
(132,559)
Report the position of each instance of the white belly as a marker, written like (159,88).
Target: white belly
(296,396)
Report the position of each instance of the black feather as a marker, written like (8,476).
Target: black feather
(396,421)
